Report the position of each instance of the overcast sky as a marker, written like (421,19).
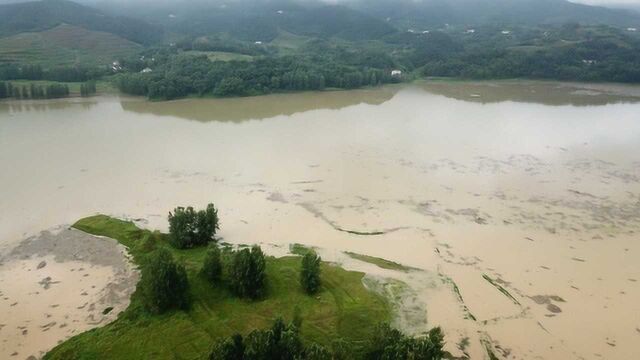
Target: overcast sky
(607,2)
(635,3)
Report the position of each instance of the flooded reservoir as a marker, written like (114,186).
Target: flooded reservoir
(514,206)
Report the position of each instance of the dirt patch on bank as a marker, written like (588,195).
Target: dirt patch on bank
(58,284)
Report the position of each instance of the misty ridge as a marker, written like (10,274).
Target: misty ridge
(404,12)
(433,12)
(202,16)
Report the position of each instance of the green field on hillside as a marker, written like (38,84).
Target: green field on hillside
(343,309)
(288,43)
(219,55)
(65,45)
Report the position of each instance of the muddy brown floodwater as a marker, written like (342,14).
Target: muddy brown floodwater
(517,204)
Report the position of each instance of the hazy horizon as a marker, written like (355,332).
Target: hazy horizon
(614,3)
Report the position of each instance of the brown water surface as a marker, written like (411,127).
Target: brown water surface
(525,195)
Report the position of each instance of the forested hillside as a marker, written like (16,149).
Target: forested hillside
(65,45)
(439,13)
(254,47)
(43,15)
(262,21)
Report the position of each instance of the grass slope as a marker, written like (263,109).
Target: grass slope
(344,307)
(65,45)
(219,55)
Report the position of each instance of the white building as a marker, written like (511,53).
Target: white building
(632,29)
(396,73)
(258,43)
(506,32)
(115,66)
(146,70)
(471,31)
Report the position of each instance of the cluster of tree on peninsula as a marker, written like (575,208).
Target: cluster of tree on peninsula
(175,75)
(71,73)
(165,287)
(283,342)
(164,282)
(88,88)
(33,91)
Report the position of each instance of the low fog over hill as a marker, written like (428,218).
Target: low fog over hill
(401,12)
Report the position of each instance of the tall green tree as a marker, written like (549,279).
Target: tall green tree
(310,273)
(232,348)
(164,283)
(207,224)
(212,266)
(88,88)
(15,91)
(3,90)
(182,227)
(248,273)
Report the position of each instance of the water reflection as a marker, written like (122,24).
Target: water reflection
(268,106)
(538,92)
(12,106)
(259,107)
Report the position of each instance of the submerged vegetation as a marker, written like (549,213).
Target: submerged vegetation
(500,288)
(299,249)
(212,266)
(341,315)
(382,263)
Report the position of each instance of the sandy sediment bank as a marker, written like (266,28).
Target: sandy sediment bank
(58,284)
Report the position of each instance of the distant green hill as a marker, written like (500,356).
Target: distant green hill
(438,13)
(65,45)
(46,14)
(257,20)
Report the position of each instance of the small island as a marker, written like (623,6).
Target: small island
(201,298)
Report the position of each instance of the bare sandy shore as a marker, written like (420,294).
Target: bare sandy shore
(58,284)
